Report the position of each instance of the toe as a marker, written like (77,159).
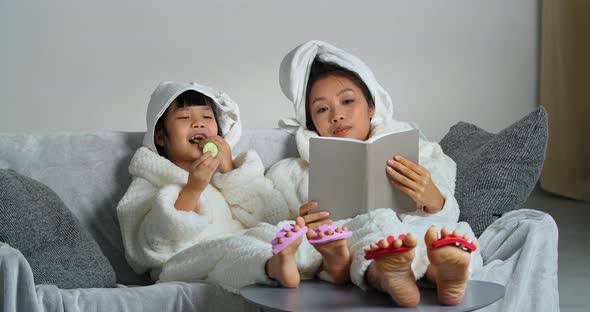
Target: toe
(444,232)
(431,236)
(410,240)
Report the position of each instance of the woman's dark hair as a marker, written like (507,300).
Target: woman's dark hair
(186,99)
(321,70)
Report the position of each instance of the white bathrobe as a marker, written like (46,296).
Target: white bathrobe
(294,73)
(245,263)
(291,177)
(153,230)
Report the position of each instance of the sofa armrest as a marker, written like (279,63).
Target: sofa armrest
(16,281)
(519,251)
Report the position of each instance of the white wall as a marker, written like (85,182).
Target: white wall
(91,65)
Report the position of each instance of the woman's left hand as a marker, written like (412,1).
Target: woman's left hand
(415,181)
(226,163)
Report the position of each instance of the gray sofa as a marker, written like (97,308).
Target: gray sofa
(89,173)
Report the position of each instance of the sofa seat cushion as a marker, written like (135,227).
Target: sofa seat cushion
(173,296)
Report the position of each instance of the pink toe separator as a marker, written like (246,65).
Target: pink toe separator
(287,240)
(329,237)
(386,251)
(456,241)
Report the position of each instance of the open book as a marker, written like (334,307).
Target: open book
(347,176)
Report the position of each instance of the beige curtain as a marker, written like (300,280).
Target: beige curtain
(565,93)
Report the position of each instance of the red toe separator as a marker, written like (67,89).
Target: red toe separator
(450,240)
(386,251)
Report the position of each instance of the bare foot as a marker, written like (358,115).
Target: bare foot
(393,272)
(282,266)
(449,267)
(336,258)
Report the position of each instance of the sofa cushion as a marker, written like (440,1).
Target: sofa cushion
(496,172)
(34,220)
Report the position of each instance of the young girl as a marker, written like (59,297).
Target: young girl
(335,94)
(186,186)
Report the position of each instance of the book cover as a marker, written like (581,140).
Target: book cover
(347,177)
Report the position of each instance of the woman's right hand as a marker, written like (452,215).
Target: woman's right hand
(201,171)
(316,219)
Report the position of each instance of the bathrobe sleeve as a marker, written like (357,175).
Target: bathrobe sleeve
(290,177)
(153,230)
(443,171)
(250,195)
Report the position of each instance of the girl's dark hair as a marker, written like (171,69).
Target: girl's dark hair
(321,70)
(186,99)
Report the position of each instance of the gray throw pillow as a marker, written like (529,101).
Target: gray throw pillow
(34,220)
(496,172)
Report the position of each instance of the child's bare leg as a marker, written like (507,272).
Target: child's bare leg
(449,267)
(393,273)
(283,267)
(336,259)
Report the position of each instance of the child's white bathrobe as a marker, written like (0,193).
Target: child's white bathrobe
(153,230)
(244,264)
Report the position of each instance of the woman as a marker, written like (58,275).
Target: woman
(335,94)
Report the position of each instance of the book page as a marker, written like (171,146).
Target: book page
(337,176)
(381,193)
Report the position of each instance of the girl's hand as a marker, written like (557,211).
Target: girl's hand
(415,181)
(201,171)
(316,219)
(226,163)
